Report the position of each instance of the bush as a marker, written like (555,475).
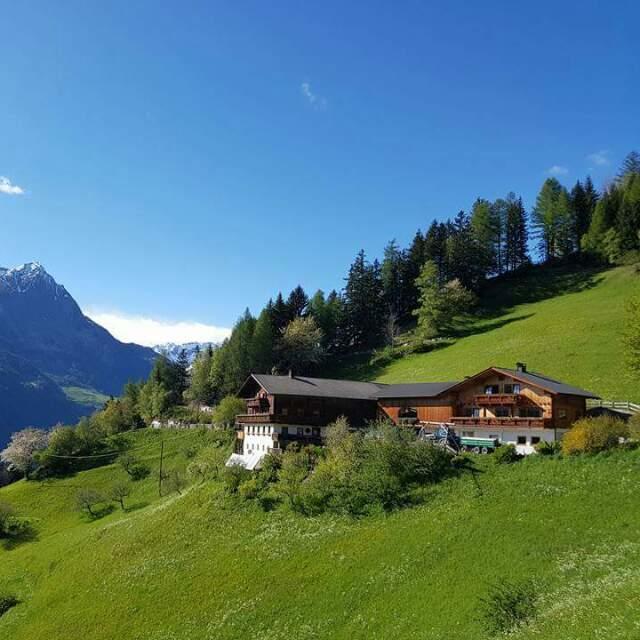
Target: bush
(12,526)
(593,435)
(508,606)
(506,454)
(545,448)
(7,601)
(133,467)
(208,463)
(234,476)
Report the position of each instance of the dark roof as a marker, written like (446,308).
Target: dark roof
(414,390)
(318,387)
(554,386)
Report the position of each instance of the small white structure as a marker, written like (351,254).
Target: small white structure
(249,462)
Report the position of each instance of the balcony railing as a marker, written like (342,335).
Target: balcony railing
(278,418)
(507,421)
(497,398)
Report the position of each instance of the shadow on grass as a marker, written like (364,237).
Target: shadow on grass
(98,514)
(136,506)
(28,534)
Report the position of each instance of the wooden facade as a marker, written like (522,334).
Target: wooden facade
(493,401)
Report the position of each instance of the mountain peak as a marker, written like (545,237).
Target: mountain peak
(24,277)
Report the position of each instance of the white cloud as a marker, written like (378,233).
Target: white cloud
(557,170)
(599,158)
(8,188)
(150,332)
(316,101)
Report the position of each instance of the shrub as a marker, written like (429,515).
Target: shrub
(234,476)
(176,482)
(208,463)
(545,448)
(509,605)
(133,467)
(634,426)
(593,435)
(13,526)
(7,601)
(506,454)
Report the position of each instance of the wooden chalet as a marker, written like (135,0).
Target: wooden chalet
(509,405)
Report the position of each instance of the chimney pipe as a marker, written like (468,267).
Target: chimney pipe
(291,373)
(521,366)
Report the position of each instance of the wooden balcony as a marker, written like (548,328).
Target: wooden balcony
(509,421)
(273,418)
(493,399)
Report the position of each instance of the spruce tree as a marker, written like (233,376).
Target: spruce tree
(297,304)
(392,273)
(552,221)
(486,227)
(412,262)
(263,343)
(516,236)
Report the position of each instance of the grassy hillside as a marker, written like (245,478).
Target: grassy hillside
(203,565)
(563,322)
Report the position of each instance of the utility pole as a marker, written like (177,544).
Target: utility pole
(160,475)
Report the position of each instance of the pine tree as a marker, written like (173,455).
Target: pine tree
(435,249)
(630,165)
(263,342)
(516,237)
(297,304)
(392,273)
(552,221)
(628,217)
(280,315)
(412,262)
(604,218)
(363,304)
(464,261)
(486,227)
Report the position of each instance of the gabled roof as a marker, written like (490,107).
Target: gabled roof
(315,387)
(415,390)
(536,379)
(549,384)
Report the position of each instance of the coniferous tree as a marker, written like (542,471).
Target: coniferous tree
(628,217)
(552,220)
(463,256)
(516,236)
(391,273)
(201,388)
(326,313)
(280,314)
(486,227)
(435,249)
(263,342)
(412,262)
(603,220)
(297,303)
(631,164)
(363,304)
(182,373)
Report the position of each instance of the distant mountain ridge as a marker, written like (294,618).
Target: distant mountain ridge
(48,345)
(172,350)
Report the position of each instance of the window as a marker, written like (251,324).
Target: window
(503,412)
(508,388)
(516,388)
(316,432)
(530,412)
(284,411)
(300,411)
(535,439)
(468,434)
(475,412)
(522,440)
(562,413)
(284,431)
(300,431)
(491,389)
(408,412)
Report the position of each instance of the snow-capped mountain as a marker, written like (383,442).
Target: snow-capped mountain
(49,349)
(172,350)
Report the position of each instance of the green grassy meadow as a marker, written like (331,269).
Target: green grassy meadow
(204,565)
(562,322)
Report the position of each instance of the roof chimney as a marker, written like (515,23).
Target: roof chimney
(521,367)
(291,373)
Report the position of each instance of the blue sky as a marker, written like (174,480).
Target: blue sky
(181,161)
